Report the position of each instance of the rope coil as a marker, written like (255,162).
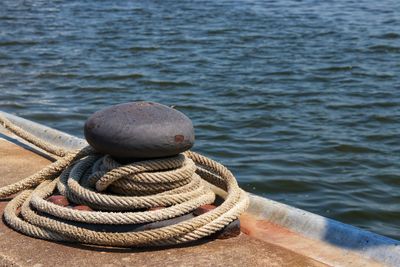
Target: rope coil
(121,195)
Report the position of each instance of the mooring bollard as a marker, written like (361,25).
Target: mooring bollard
(139,130)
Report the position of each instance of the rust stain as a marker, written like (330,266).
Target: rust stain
(268,226)
(179,138)
(264,229)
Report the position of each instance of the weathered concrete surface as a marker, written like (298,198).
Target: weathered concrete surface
(17,162)
(315,249)
(19,250)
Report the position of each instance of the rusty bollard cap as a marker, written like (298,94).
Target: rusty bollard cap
(139,130)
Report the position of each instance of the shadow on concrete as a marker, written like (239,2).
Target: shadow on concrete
(134,250)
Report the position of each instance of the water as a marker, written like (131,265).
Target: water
(300,99)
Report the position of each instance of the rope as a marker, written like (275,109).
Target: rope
(120,195)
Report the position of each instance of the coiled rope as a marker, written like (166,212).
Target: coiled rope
(120,195)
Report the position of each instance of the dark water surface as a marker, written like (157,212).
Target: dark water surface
(301,99)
